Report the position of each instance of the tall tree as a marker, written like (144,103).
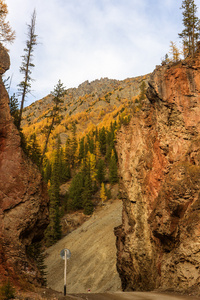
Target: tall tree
(6,33)
(53,231)
(58,93)
(190,33)
(27,64)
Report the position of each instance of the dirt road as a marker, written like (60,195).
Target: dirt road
(135,296)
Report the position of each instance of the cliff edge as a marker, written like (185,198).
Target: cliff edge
(159,160)
(23,198)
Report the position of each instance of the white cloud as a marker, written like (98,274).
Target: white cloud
(85,40)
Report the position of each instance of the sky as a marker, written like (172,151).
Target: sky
(81,40)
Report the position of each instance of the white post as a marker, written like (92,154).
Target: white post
(65,274)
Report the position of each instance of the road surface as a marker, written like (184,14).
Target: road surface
(134,296)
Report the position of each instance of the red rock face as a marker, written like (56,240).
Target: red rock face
(23,197)
(159,159)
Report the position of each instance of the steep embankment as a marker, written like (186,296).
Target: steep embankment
(159,160)
(23,198)
(93,260)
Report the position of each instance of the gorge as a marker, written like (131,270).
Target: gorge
(158,243)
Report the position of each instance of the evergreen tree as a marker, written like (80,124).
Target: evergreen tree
(14,108)
(81,149)
(47,170)
(101,171)
(190,33)
(34,151)
(75,191)
(102,140)
(35,252)
(53,231)
(57,93)
(24,86)
(65,171)
(87,192)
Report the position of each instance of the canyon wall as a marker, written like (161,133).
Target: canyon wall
(159,159)
(23,198)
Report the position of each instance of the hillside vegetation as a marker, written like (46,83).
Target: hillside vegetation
(81,153)
(90,105)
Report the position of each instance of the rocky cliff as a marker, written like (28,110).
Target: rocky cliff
(23,198)
(159,159)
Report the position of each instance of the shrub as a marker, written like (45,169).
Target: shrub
(7,291)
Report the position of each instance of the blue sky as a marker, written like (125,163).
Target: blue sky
(86,40)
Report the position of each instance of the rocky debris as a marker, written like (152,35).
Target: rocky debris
(159,160)
(93,254)
(23,198)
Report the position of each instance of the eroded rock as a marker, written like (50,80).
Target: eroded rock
(159,159)
(23,198)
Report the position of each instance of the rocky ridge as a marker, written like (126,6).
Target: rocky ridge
(23,198)
(95,103)
(159,160)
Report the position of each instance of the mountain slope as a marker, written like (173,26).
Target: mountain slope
(92,104)
(93,260)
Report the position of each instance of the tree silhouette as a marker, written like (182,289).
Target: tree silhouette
(27,64)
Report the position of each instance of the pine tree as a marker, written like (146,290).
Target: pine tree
(87,192)
(53,231)
(101,171)
(57,93)
(24,86)
(75,191)
(14,108)
(102,140)
(34,150)
(81,149)
(190,33)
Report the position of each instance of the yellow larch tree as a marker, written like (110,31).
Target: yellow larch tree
(103,193)
(7,35)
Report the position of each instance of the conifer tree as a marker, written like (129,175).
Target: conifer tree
(24,86)
(174,51)
(53,231)
(102,140)
(100,171)
(190,33)
(57,93)
(75,191)
(87,192)
(81,149)
(33,148)
(14,109)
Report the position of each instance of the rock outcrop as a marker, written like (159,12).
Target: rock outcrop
(159,159)
(23,197)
